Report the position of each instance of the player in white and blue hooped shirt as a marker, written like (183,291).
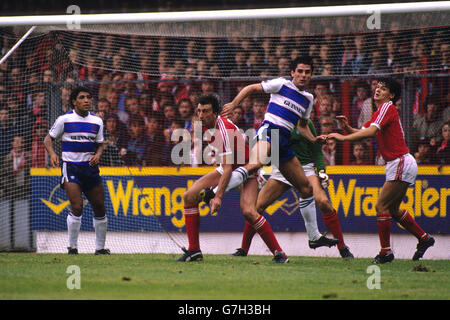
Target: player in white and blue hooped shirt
(82,145)
(289,107)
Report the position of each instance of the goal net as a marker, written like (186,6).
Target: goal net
(145,79)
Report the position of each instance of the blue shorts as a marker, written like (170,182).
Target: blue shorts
(266,132)
(85,176)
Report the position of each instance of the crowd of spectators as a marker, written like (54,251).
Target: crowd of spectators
(144,88)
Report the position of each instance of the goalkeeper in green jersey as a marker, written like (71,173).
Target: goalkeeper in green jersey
(311,157)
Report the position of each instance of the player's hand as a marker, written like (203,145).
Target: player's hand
(335,135)
(54,160)
(343,121)
(324,179)
(322,139)
(94,160)
(227,109)
(215,204)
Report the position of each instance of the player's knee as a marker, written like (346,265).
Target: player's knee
(76,209)
(249,214)
(190,198)
(260,208)
(306,191)
(323,204)
(381,208)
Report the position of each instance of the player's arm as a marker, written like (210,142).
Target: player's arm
(245,92)
(305,131)
(48,143)
(343,123)
(95,159)
(317,154)
(358,135)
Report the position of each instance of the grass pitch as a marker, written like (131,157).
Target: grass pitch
(217,277)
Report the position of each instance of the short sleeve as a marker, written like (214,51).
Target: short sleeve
(100,138)
(57,130)
(273,86)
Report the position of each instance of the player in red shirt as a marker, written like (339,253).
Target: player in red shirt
(228,147)
(401,168)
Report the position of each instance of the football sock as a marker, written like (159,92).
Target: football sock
(100,227)
(332,223)
(192,220)
(407,222)
(308,211)
(73,228)
(247,237)
(384,231)
(238,177)
(262,226)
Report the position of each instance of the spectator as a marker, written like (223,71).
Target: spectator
(155,140)
(360,61)
(137,144)
(445,57)
(17,168)
(327,124)
(378,62)
(239,69)
(330,153)
(237,117)
(361,154)
(259,109)
(186,110)
(443,151)
(39,104)
(132,107)
(130,89)
(116,138)
(358,100)
(283,66)
(423,154)
(170,113)
(6,132)
(39,154)
(175,124)
(428,125)
(19,119)
(325,105)
(368,107)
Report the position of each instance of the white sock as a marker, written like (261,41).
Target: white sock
(100,227)
(308,211)
(238,177)
(73,229)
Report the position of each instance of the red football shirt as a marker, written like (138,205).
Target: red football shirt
(229,140)
(390,136)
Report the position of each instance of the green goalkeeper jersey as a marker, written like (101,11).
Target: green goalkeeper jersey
(306,151)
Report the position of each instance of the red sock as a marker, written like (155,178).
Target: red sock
(407,222)
(247,237)
(332,223)
(384,231)
(265,231)
(192,220)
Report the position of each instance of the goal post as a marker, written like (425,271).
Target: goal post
(146,70)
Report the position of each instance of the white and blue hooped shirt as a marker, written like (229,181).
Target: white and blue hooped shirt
(79,136)
(287,103)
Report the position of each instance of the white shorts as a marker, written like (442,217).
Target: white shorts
(276,174)
(219,169)
(403,168)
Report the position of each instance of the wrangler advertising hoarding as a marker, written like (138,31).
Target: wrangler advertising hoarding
(149,199)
